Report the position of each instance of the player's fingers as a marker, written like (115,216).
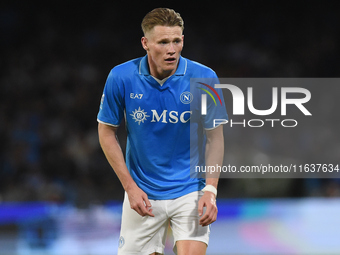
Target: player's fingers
(136,207)
(141,208)
(147,207)
(212,218)
(139,211)
(200,208)
(205,216)
(206,221)
(147,211)
(209,216)
(146,201)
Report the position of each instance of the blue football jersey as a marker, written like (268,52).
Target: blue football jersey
(163,123)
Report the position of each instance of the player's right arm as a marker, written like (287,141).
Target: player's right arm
(108,141)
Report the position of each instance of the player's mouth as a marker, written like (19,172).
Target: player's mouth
(170,60)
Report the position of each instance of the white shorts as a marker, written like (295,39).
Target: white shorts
(146,235)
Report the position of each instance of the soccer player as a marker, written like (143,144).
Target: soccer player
(153,94)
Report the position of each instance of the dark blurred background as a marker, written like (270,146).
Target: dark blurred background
(56,55)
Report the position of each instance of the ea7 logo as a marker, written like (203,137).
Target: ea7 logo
(134,96)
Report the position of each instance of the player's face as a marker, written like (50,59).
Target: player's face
(163,45)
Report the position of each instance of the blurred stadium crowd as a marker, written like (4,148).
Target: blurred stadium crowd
(55,59)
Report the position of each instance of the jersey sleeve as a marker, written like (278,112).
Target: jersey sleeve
(111,111)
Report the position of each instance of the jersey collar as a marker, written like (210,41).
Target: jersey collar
(144,66)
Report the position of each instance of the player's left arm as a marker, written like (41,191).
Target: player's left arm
(213,156)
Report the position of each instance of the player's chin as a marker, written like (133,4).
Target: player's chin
(170,66)
(169,71)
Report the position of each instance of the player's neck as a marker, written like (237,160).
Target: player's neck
(160,74)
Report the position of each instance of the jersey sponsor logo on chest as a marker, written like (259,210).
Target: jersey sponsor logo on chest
(139,115)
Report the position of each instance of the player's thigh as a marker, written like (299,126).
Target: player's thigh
(185,221)
(139,234)
(191,247)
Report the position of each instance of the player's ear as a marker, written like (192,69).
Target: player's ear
(145,43)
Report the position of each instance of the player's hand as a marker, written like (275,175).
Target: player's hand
(208,200)
(139,201)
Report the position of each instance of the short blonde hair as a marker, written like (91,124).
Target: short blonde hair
(162,17)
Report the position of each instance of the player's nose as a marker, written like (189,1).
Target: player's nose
(171,49)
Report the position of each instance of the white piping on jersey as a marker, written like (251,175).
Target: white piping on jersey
(109,124)
(186,65)
(140,67)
